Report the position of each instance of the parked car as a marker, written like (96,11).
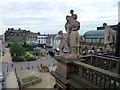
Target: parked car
(1,77)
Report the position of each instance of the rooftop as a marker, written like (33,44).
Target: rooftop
(96,33)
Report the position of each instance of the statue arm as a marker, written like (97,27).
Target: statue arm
(78,25)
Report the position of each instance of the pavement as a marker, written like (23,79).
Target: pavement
(11,81)
(10,77)
(7,57)
(47,81)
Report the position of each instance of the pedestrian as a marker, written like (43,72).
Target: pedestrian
(21,68)
(38,66)
(41,65)
(15,70)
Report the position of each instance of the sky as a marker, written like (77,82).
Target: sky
(48,16)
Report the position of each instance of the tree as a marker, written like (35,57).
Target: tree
(27,47)
(16,49)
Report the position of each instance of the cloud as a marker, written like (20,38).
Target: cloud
(48,16)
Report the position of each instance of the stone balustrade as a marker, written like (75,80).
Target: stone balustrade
(95,77)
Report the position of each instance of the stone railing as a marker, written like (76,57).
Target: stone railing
(95,77)
(105,62)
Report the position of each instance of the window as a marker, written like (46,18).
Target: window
(88,40)
(95,40)
(101,40)
(39,41)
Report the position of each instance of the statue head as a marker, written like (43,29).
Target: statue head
(72,12)
(60,32)
(104,24)
(68,18)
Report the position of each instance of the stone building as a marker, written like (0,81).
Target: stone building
(41,40)
(50,40)
(12,35)
(31,39)
(20,36)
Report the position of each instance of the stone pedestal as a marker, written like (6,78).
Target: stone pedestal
(63,70)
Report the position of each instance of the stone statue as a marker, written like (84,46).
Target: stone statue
(67,28)
(72,26)
(72,14)
(74,35)
(62,42)
(108,37)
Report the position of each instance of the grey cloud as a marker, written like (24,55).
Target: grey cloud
(49,17)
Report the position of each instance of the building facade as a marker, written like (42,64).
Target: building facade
(50,40)
(20,36)
(31,39)
(41,40)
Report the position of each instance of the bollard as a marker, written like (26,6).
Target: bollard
(12,64)
(38,66)
(32,67)
(15,70)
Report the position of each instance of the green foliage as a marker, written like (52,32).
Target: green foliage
(19,52)
(16,49)
(17,58)
(24,57)
(27,47)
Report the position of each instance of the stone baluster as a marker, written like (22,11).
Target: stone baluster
(100,81)
(109,83)
(89,75)
(92,77)
(114,84)
(85,73)
(104,82)
(96,79)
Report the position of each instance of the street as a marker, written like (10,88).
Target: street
(44,61)
(7,66)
